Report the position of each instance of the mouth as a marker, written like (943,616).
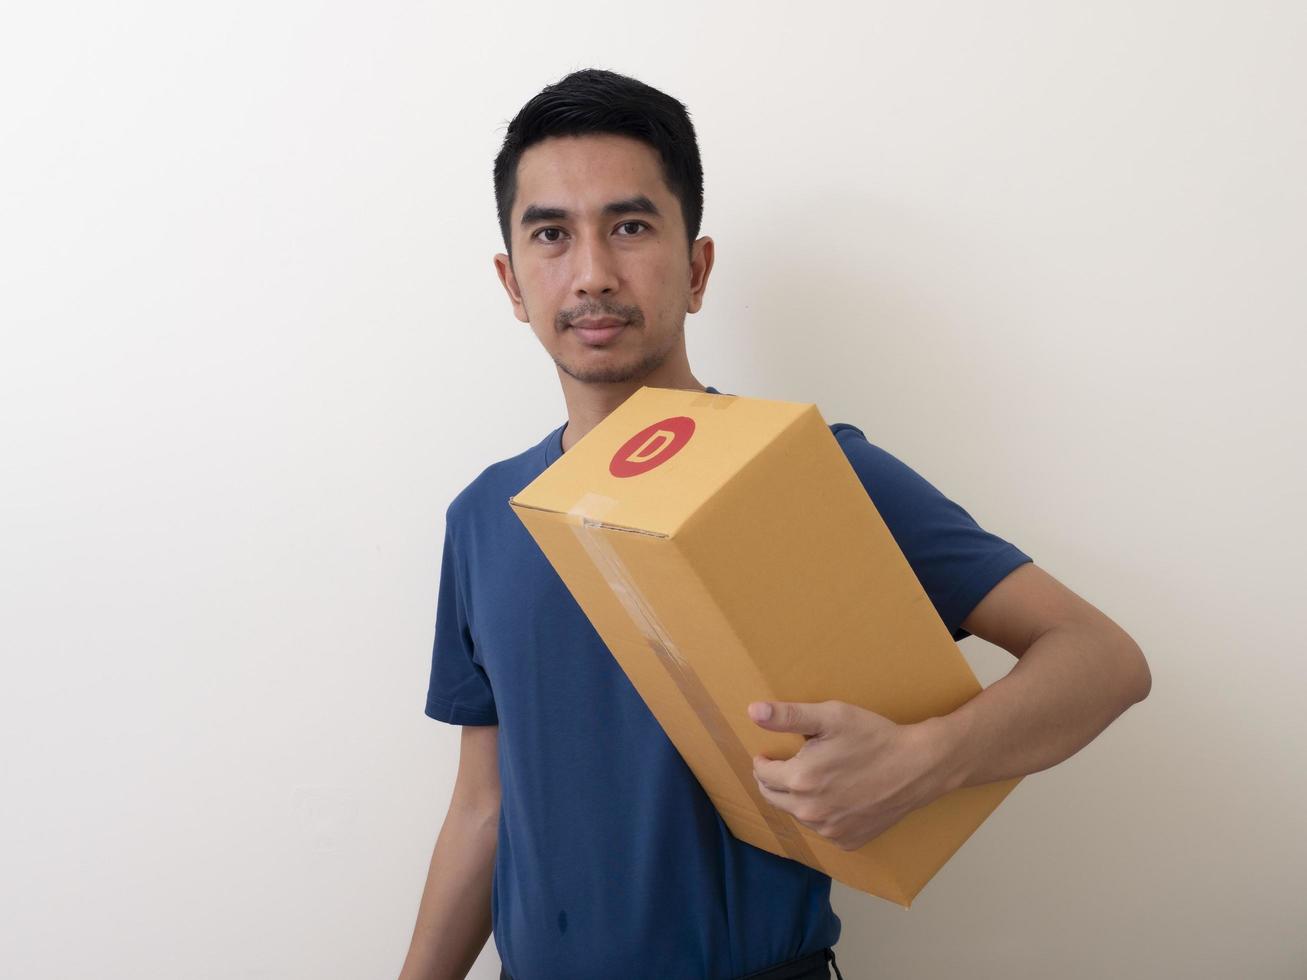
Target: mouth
(599,335)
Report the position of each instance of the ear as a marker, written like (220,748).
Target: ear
(504,268)
(701,259)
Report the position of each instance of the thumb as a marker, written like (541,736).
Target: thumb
(788,716)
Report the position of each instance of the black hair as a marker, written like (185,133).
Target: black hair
(597,101)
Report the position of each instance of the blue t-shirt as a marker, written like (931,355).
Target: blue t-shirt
(611,859)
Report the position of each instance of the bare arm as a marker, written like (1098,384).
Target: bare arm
(861,772)
(1077,672)
(453,920)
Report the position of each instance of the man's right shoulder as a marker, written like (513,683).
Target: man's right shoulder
(493,486)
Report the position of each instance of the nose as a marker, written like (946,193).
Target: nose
(595,272)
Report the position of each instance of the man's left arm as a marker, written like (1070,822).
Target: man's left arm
(1077,671)
(859,772)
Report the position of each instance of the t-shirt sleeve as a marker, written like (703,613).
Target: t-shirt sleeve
(955,559)
(459,691)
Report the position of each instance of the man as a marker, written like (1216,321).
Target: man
(575,831)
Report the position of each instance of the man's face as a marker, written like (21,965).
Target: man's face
(599,242)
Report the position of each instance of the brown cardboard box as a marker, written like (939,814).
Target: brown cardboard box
(726,552)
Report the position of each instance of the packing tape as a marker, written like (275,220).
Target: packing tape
(707,399)
(588,512)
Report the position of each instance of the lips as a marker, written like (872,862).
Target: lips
(598,332)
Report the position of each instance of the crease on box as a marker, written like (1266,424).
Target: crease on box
(587,524)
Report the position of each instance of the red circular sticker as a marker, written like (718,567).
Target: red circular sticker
(652,446)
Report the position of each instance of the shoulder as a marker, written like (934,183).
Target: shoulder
(917,512)
(850,437)
(881,471)
(956,559)
(855,443)
(488,492)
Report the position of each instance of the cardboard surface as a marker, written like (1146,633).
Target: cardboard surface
(726,552)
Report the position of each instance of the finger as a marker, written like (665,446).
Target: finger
(774,772)
(790,716)
(788,804)
(781,801)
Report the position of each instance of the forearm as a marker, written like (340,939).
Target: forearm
(453,920)
(1068,687)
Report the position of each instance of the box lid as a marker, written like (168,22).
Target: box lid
(659,456)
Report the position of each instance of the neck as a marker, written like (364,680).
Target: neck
(588,403)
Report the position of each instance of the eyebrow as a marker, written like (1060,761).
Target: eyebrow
(631,205)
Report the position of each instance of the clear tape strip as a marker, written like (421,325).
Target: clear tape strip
(588,512)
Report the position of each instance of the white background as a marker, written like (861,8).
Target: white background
(1049,254)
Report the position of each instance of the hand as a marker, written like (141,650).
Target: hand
(857,774)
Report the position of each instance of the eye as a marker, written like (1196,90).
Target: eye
(638,224)
(540,231)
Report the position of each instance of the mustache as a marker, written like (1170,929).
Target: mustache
(628,314)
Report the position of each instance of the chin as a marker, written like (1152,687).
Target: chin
(606,373)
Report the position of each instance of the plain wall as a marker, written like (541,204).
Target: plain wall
(1050,255)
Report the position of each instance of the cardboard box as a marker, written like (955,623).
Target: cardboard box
(726,552)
